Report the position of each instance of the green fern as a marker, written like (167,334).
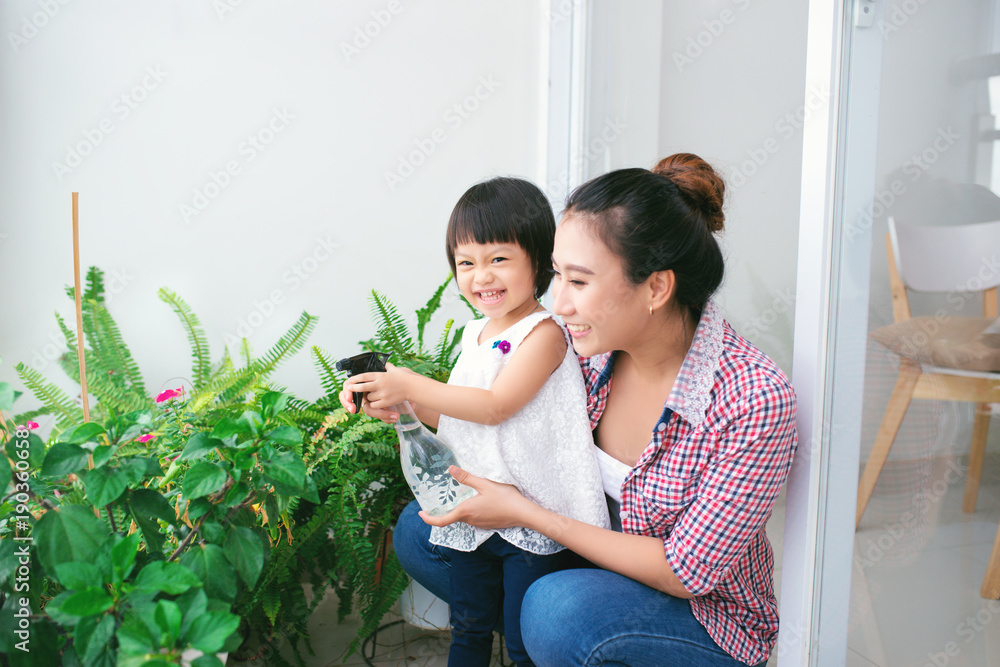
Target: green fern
(392,328)
(54,398)
(290,343)
(329,376)
(424,314)
(201,368)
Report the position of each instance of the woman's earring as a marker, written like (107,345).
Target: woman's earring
(650,310)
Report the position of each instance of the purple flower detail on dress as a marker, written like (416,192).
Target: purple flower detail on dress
(502,345)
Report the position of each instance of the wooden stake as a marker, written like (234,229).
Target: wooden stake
(79,306)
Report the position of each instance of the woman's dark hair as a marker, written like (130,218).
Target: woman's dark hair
(506,210)
(659,220)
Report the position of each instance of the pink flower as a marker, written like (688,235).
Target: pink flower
(28,426)
(168,394)
(146,437)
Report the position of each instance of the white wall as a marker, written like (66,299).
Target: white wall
(732,91)
(307,221)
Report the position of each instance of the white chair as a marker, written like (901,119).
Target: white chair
(943,356)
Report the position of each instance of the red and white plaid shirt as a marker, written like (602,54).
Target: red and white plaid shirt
(708,479)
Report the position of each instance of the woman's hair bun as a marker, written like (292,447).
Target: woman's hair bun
(699,182)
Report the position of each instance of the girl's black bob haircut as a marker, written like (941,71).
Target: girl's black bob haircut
(506,210)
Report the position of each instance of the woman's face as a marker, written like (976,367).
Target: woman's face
(601,308)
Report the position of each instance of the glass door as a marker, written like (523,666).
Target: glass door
(887,541)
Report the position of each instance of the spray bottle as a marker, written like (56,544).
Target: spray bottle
(424,457)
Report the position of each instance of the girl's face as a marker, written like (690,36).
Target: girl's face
(496,278)
(601,308)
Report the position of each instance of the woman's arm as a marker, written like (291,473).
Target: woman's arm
(497,505)
(538,355)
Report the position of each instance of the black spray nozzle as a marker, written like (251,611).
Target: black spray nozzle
(366,362)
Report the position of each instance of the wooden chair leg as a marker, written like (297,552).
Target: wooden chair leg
(909,372)
(980,426)
(991,582)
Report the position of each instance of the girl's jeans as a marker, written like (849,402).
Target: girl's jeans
(583,617)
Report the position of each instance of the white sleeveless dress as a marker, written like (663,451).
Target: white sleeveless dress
(546,449)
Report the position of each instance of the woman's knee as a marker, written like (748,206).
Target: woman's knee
(552,608)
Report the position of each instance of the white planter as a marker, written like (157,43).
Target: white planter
(423,609)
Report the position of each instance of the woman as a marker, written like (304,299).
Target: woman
(695,429)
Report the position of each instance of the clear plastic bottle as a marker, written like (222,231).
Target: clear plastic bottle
(425,459)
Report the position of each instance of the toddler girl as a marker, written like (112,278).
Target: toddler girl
(514,410)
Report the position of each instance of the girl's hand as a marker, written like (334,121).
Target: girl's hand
(383,390)
(494,506)
(347,400)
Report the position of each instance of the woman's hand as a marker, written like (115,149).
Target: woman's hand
(494,506)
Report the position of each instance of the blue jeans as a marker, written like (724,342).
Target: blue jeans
(494,576)
(583,617)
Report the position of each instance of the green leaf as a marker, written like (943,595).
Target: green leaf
(134,637)
(6,474)
(208,562)
(151,533)
(245,550)
(193,605)
(123,557)
(208,660)
(92,636)
(212,630)
(133,470)
(171,578)
(168,616)
(32,444)
(287,472)
(272,403)
(7,397)
(86,432)
(198,445)
(148,502)
(87,602)
(104,485)
(63,459)
(66,534)
(252,420)
(77,576)
(228,427)
(202,479)
(286,435)
(103,454)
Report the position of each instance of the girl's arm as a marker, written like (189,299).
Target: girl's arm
(637,557)
(538,355)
